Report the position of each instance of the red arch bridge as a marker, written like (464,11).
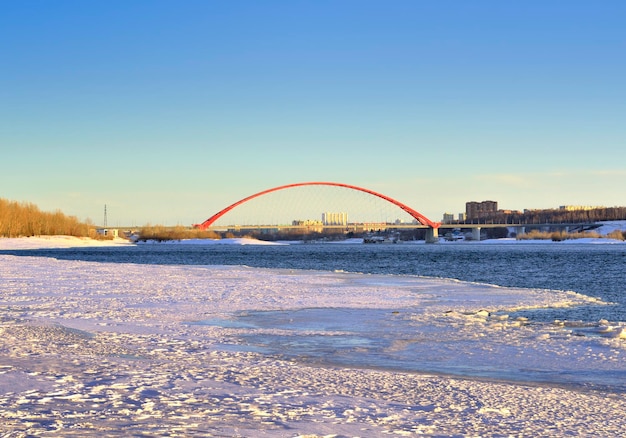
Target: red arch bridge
(421,221)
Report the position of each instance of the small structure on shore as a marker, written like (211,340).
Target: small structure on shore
(108,232)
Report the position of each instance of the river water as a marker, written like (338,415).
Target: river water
(370,337)
(597,270)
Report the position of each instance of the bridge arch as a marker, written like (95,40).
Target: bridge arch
(415,214)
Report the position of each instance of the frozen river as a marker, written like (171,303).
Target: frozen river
(168,340)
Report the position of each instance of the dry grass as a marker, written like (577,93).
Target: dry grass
(161,233)
(559,236)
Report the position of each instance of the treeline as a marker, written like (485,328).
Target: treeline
(21,219)
(555,216)
(162,233)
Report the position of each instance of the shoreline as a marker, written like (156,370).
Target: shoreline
(58,242)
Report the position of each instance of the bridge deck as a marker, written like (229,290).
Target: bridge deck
(361,227)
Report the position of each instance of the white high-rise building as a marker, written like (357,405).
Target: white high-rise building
(329,218)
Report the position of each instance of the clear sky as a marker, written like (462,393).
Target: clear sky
(169,111)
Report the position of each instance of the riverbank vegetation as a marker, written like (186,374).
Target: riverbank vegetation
(161,233)
(21,219)
(559,236)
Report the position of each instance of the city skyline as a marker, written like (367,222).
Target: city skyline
(168,113)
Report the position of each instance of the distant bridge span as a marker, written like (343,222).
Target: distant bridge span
(415,214)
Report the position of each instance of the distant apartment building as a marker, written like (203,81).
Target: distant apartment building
(305,223)
(577,207)
(448,218)
(479,210)
(373,226)
(335,218)
(312,225)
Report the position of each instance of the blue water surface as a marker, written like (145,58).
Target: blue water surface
(594,270)
(370,339)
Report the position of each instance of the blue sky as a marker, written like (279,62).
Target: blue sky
(169,111)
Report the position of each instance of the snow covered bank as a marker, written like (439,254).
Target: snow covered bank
(512,240)
(115,349)
(74,242)
(226,241)
(37,242)
(607,227)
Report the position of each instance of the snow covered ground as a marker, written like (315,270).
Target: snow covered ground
(119,349)
(608,227)
(36,242)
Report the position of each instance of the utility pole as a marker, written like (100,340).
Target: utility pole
(105,216)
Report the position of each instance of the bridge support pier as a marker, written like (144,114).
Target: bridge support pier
(520,230)
(432,235)
(476,233)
